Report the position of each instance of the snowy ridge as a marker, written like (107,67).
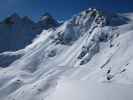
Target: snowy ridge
(20,32)
(87,47)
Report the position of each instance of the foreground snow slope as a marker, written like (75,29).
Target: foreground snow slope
(91,46)
(86,90)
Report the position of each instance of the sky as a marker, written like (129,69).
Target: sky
(60,9)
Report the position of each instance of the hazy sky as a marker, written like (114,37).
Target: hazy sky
(60,9)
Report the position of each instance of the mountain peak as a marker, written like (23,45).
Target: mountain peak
(47,21)
(27,19)
(112,19)
(46,16)
(15,16)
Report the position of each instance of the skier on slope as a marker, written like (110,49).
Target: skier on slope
(109,76)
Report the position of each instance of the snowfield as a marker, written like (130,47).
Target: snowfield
(86,90)
(88,57)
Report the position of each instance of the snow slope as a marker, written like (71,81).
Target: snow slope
(85,90)
(91,48)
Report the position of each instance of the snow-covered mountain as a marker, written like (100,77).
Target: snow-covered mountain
(17,32)
(93,48)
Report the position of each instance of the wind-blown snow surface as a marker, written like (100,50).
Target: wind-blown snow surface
(87,48)
(85,90)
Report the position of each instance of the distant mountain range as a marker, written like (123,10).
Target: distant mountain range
(17,32)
